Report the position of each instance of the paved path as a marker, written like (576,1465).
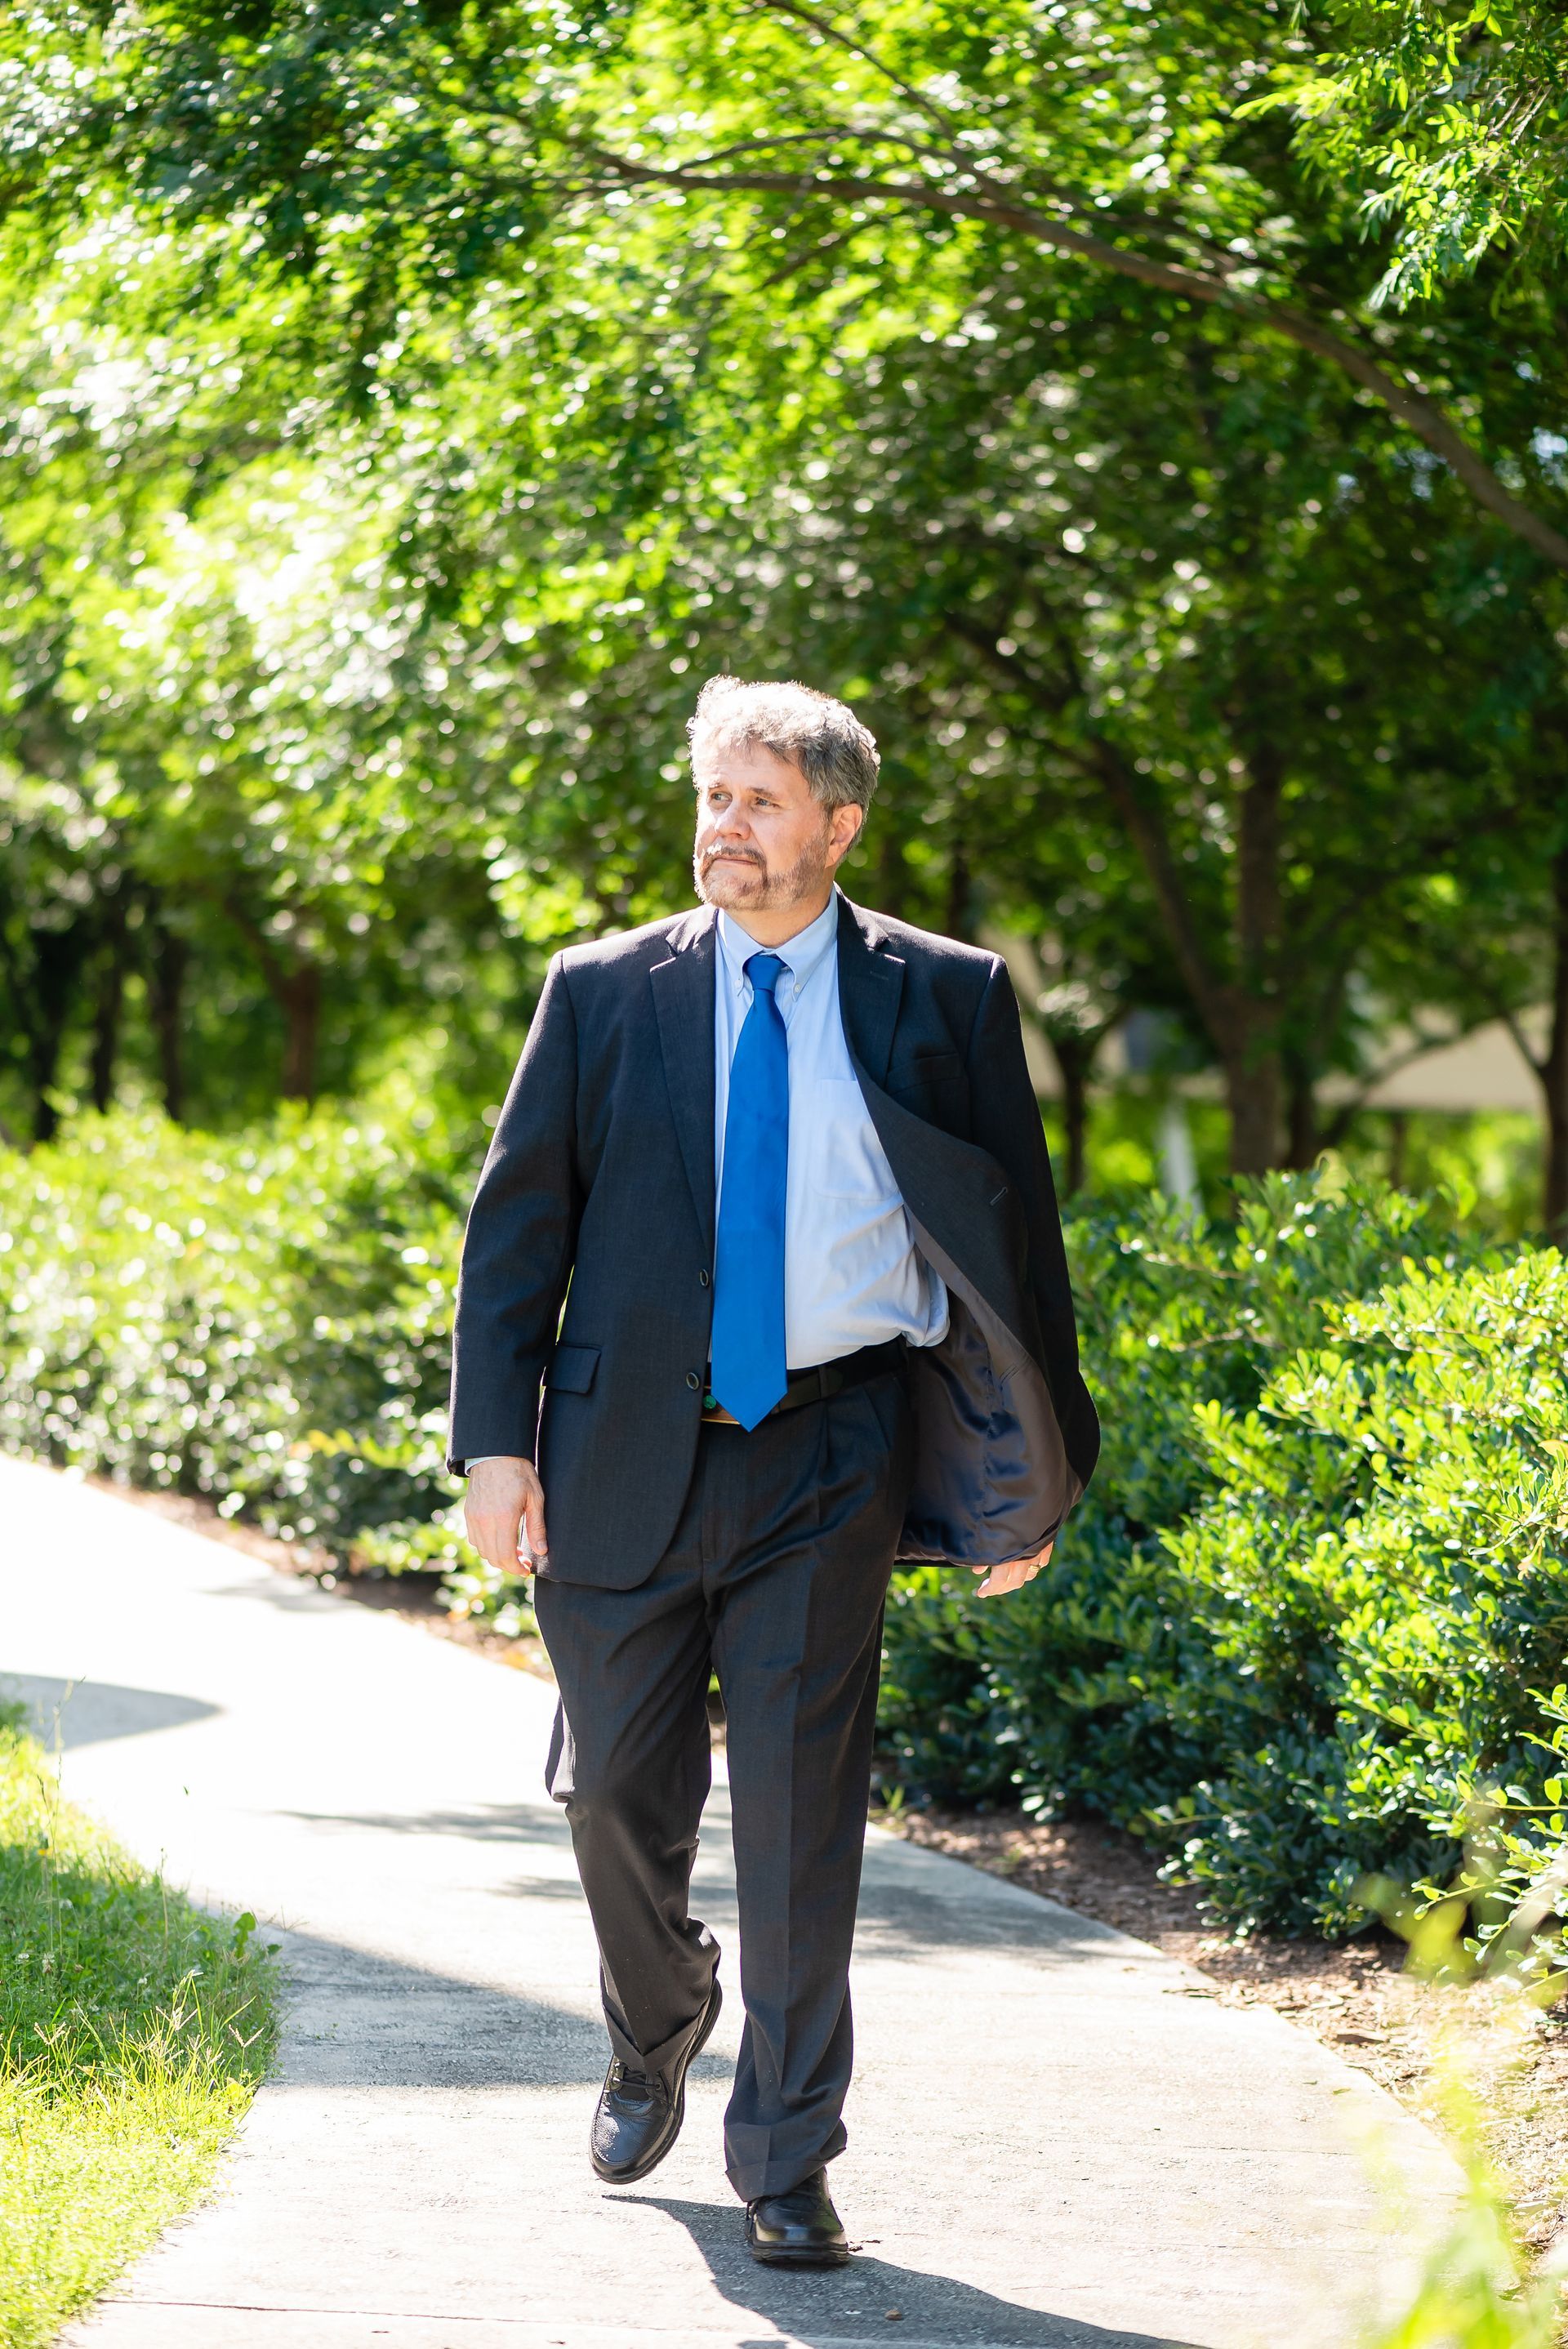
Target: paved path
(1053,2143)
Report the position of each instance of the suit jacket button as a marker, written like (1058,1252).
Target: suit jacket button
(692,1379)
(702,1275)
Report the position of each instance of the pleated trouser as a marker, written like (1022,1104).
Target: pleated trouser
(776,1580)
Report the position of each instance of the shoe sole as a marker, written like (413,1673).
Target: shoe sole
(778,2256)
(650,2161)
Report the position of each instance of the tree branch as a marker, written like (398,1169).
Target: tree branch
(994,205)
(1338,1124)
(273,970)
(832,32)
(1102,762)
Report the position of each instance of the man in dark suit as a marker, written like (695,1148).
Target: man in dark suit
(780,1161)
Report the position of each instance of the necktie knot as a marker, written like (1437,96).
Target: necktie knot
(764,971)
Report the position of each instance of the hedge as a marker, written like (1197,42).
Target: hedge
(1309,1623)
(265,1321)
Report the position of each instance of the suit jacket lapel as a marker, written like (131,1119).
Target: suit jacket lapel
(683,1001)
(871,983)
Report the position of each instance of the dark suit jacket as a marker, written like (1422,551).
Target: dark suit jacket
(598,1192)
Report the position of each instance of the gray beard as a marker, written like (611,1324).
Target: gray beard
(738,892)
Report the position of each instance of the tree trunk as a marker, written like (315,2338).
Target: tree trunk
(1252,1095)
(297,992)
(171,960)
(1241,1017)
(1399,1147)
(1254,1076)
(299,995)
(108,1007)
(58,956)
(960,921)
(1301,1138)
(893,874)
(1240,1014)
(1075,1059)
(1553,1070)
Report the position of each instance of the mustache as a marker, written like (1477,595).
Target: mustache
(741,856)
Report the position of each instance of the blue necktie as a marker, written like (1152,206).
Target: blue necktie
(750,1368)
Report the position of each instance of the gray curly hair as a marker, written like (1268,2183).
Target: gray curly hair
(837,755)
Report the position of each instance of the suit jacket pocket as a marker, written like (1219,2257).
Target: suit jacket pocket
(924,1068)
(571,1369)
(934,1085)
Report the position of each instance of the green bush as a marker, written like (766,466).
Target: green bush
(1097,1681)
(263,1320)
(1308,1621)
(1309,1617)
(1385,1560)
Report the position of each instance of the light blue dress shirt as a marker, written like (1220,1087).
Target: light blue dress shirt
(852,1276)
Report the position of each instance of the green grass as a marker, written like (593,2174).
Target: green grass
(133,2031)
(1480,2290)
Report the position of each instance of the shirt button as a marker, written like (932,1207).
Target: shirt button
(692,1379)
(702,1275)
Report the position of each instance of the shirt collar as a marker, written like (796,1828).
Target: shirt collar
(799,955)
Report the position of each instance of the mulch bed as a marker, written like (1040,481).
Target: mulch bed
(1354,1996)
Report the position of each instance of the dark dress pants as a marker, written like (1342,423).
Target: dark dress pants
(776,1577)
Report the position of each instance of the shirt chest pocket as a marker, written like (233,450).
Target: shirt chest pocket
(841,1157)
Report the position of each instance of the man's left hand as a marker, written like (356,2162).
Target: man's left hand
(1011,1576)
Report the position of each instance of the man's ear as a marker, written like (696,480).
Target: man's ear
(847,823)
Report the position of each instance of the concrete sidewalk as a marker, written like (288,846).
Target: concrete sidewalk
(1055,2138)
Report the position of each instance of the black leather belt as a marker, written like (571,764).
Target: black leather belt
(817,1384)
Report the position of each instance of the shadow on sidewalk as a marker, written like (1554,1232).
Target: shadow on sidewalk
(836,2304)
(89,1712)
(355,2019)
(528,1823)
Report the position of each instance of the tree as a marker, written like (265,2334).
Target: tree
(198,757)
(1448,124)
(631,403)
(395,154)
(1178,607)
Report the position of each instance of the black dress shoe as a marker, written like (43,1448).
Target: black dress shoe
(796,2229)
(639,2114)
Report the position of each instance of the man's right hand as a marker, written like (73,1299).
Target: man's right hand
(504,1516)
